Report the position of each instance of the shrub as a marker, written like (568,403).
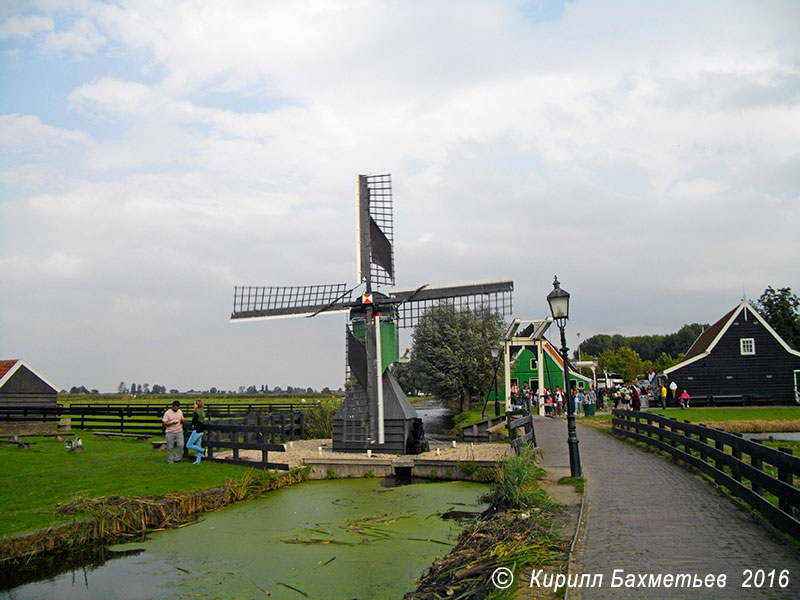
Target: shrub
(517,483)
(319,419)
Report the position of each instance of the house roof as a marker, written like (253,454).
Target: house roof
(704,340)
(548,347)
(9,367)
(707,340)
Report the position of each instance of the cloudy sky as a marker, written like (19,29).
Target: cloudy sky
(153,155)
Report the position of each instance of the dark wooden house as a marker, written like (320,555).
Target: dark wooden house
(740,358)
(20,385)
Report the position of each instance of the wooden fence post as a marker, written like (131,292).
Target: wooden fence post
(737,454)
(703,440)
(755,462)
(785,476)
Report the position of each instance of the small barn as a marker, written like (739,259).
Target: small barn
(739,359)
(20,385)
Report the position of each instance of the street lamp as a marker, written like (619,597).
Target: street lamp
(495,354)
(558,300)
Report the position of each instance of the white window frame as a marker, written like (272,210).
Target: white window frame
(747,346)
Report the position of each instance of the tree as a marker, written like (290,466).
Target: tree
(624,361)
(665,361)
(408,376)
(780,309)
(452,351)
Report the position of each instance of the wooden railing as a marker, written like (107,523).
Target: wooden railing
(479,432)
(520,429)
(748,469)
(264,433)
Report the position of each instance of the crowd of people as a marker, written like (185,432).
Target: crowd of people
(629,396)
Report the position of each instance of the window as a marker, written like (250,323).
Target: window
(747,346)
(533,364)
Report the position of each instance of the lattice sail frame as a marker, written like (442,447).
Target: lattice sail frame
(375,203)
(274,301)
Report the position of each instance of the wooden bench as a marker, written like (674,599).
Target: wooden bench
(19,443)
(159,444)
(104,435)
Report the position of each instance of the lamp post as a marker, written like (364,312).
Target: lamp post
(558,300)
(495,354)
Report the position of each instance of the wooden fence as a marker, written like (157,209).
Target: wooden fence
(132,418)
(748,469)
(479,432)
(520,429)
(264,433)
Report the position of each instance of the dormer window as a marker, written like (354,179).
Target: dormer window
(747,346)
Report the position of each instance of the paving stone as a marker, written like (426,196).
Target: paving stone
(648,515)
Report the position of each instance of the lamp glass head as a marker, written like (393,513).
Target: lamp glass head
(558,300)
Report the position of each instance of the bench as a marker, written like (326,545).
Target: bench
(20,444)
(104,435)
(159,444)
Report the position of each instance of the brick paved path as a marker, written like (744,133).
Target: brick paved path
(648,515)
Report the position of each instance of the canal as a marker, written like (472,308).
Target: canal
(342,539)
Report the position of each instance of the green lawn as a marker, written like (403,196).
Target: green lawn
(711,415)
(36,479)
(475,413)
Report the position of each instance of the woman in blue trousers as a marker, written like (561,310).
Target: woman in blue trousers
(198,427)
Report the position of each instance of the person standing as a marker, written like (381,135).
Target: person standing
(663,395)
(580,399)
(526,397)
(591,397)
(173,421)
(636,401)
(198,428)
(514,393)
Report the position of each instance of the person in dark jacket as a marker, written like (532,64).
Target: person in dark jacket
(198,428)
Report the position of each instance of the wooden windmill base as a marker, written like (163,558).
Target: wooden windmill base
(404,432)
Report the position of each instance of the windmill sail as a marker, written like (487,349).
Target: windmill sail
(251,302)
(495,295)
(375,230)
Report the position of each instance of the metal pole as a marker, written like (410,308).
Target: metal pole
(572,436)
(496,397)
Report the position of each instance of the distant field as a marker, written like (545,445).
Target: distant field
(187,399)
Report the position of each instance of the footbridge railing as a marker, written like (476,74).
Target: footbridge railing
(765,478)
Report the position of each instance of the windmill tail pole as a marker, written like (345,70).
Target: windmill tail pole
(381,430)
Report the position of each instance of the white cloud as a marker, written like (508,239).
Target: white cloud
(632,147)
(20,131)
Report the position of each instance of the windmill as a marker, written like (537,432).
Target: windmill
(375,413)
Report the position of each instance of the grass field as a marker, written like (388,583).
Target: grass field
(37,479)
(715,415)
(188,400)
